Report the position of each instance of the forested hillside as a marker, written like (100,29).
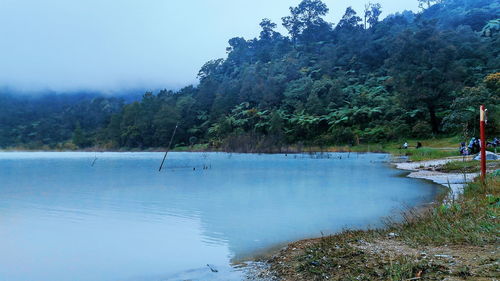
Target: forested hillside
(51,120)
(360,80)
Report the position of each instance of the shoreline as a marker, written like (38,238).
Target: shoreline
(425,170)
(280,263)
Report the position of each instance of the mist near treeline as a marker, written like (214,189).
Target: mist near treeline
(113,46)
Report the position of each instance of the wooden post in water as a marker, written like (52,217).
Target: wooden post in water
(483,142)
(168,148)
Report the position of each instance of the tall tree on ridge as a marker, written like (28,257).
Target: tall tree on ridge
(268,27)
(376,11)
(307,15)
(350,20)
(372,14)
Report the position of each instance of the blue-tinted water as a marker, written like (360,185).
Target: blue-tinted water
(63,219)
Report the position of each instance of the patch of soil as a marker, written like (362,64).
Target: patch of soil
(450,262)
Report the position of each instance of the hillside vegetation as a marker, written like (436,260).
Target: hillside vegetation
(361,80)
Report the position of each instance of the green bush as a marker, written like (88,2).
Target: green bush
(377,134)
(421,129)
(341,135)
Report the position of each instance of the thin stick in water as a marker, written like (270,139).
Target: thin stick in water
(168,148)
(93,162)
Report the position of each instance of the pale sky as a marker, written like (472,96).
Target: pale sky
(113,45)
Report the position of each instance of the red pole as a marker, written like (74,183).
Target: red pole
(483,142)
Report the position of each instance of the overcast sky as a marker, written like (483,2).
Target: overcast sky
(112,45)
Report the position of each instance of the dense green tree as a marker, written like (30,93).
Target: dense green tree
(79,139)
(350,20)
(427,70)
(267,32)
(306,19)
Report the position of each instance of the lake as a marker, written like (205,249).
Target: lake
(113,216)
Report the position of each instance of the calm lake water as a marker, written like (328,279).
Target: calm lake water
(63,219)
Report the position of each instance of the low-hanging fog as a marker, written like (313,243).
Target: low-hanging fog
(109,46)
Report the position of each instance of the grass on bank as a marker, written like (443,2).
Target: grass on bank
(335,258)
(196,148)
(470,166)
(423,154)
(431,148)
(437,148)
(471,220)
